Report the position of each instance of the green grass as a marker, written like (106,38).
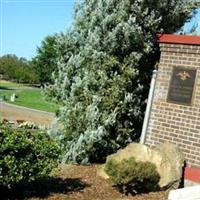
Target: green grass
(27,96)
(10,85)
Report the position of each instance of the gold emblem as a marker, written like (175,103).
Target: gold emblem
(183,75)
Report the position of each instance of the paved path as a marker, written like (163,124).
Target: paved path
(13,113)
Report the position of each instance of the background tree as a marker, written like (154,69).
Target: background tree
(17,69)
(45,62)
(105,65)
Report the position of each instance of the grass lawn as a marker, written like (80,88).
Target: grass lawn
(27,96)
(7,84)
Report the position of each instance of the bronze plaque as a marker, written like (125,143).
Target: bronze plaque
(182,86)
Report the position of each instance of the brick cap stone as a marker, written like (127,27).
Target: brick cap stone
(178,39)
(192,173)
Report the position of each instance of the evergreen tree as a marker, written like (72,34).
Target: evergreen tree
(105,65)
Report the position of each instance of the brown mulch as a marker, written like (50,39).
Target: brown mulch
(82,183)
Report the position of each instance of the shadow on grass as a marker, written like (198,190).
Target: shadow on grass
(43,188)
(5,88)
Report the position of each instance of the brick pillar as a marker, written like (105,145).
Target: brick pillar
(177,122)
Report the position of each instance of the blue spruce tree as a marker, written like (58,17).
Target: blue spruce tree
(105,63)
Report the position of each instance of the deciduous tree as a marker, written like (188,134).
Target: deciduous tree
(45,62)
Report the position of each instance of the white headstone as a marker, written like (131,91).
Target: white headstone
(12,98)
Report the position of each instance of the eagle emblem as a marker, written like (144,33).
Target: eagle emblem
(183,75)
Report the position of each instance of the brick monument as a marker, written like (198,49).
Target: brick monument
(175,112)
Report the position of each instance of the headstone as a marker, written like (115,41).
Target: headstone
(12,98)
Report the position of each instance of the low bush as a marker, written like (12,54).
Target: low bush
(25,156)
(131,176)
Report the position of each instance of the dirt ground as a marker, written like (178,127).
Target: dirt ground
(70,182)
(13,113)
(73,182)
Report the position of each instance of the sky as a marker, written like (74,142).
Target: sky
(25,23)
(195,21)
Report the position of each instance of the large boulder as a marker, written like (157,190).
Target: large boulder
(167,158)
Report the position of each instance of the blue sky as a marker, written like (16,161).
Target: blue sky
(25,23)
(194,21)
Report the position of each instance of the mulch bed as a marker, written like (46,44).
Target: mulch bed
(73,182)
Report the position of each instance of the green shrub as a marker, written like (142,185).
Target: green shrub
(132,176)
(25,155)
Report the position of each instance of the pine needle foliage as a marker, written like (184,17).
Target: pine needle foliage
(104,67)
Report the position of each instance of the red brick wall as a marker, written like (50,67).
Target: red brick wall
(176,123)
